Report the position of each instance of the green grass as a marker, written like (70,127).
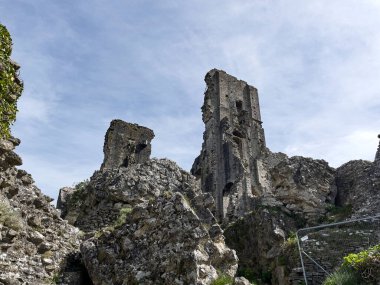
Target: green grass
(124,212)
(223,279)
(336,213)
(342,277)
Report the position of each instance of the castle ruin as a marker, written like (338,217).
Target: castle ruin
(233,142)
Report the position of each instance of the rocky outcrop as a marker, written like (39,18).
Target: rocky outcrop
(34,240)
(147,223)
(358,184)
(126,144)
(304,186)
(162,243)
(263,240)
(35,243)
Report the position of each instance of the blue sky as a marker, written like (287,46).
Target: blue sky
(316,65)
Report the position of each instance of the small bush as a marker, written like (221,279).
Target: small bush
(366,263)
(77,197)
(291,241)
(358,268)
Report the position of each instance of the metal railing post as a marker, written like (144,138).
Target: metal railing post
(299,250)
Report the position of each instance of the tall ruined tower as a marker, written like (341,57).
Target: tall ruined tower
(233,142)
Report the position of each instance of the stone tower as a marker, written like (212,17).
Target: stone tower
(233,143)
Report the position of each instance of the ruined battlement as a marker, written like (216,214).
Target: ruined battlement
(126,144)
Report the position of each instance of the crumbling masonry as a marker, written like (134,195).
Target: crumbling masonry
(233,142)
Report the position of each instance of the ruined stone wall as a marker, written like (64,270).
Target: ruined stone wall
(233,141)
(377,157)
(126,144)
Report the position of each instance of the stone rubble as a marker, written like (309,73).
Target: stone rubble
(147,223)
(34,240)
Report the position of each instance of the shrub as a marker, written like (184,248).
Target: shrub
(358,268)
(366,263)
(10,86)
(76,198)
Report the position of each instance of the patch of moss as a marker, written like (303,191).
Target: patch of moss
(337,213)
(124,212)
(247,273)
(9,218)
(47,254)
(223,279)
(289,250)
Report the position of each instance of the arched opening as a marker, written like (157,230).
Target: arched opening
(227,188)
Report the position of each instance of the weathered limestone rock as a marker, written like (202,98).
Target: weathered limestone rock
(233,141)
(154,211)
(64,193)
(126,144)
(34,240)
(305,186)
(149,224)
(358,184)
(259,239)
(241,281)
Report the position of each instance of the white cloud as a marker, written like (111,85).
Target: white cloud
(360,144)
